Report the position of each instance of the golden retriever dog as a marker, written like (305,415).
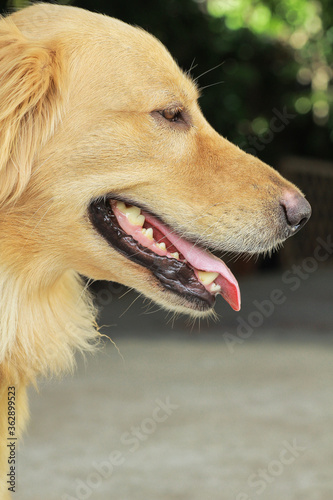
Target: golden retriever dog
(108,170)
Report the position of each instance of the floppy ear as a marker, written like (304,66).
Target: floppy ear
(30,84)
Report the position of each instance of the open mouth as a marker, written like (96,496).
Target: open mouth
(181,267)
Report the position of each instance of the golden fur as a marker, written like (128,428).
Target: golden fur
(78,94)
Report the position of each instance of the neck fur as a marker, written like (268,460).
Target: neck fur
(42,327)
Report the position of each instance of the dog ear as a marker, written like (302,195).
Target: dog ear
(30,88)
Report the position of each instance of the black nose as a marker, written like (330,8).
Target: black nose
(297,210)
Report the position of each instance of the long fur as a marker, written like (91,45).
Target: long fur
(31,98)
(67,315)
(31,94)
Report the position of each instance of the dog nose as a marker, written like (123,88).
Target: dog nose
(297,210)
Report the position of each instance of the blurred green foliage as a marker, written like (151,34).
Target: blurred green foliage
(276,60)
(299,36)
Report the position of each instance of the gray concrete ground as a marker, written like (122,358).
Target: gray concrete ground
(234,412)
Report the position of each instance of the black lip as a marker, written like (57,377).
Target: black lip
(173,275)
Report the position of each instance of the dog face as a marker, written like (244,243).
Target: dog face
(113,171)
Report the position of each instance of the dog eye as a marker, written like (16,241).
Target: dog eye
(176,116)
(173,115)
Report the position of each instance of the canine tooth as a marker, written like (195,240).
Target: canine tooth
(175,255)
(207,278)
(133,210)
(161,245)
(121,206)
(134,215)
(137,220)
(215,288)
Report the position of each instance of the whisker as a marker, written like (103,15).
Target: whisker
(149,308)
(41,206)
(40,220)
(192,67)
(85,288)
(208,71)
(210,85)
(125,293)
(127,308)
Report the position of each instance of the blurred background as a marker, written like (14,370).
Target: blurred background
(255,378)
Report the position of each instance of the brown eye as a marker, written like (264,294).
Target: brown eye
(175,117)
(172,115)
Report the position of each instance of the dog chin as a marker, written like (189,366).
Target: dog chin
(173,303)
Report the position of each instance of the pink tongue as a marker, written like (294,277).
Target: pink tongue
(203,260)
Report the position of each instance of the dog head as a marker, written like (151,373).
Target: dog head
(108,166)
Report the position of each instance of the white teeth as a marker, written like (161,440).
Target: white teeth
(207,278)
(148,232)
(132,212)
(161,245)
(121,206)
(137,220)
(175,255)
(215,288)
